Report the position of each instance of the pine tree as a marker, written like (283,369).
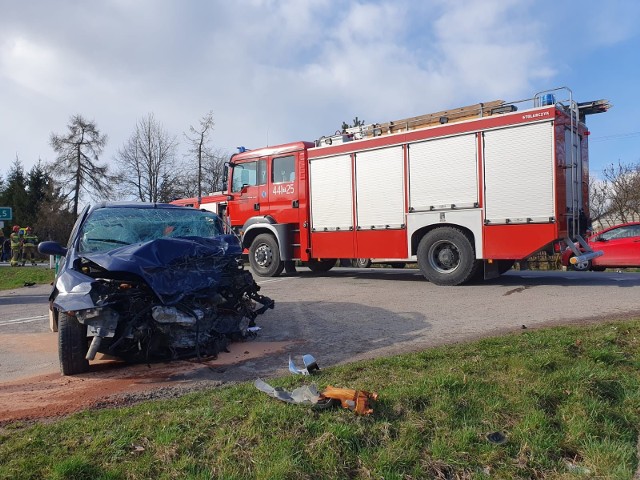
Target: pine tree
(77,162)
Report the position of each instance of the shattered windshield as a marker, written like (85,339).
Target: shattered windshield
(112,227)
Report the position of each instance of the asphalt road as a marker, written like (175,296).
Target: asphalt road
(350,314)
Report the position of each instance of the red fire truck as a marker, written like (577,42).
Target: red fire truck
(463,192)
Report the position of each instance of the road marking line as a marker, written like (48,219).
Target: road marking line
(273,280)
(22,320)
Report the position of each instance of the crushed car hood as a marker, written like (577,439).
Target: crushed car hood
(171,267)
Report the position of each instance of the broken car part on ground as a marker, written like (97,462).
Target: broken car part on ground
(147,282)
(310,365)
(357,401)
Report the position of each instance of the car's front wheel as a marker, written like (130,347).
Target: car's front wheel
(362,262)
(72,345)
(580,266)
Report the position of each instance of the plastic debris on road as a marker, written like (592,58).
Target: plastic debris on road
(358,401)
(310,365)
(355,400)
(307,394)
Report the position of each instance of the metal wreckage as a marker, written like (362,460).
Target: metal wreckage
(166,298)
(358,401)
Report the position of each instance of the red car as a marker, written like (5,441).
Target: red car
(620,244)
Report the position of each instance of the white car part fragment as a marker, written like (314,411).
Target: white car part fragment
(310,365)
(307,394)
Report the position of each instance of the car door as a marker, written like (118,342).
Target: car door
(248,189)
(630,247)
(621,247)
(284,189)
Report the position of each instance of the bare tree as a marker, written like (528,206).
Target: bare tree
(598,200)
(211,175)
(198,139)
(623,192)
(76,165)
(185,184)
(146,162)
(213,170)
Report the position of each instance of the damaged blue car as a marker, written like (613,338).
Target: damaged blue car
(149,281)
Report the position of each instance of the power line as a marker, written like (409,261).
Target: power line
(614,137)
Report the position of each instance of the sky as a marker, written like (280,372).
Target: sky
(281,71)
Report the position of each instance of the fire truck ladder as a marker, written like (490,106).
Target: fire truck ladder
(575,177)
(413,123)
(438,118)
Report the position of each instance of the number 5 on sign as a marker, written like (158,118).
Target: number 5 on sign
(6,213)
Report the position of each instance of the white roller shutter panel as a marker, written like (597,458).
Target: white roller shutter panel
(519,174)
(331,193)
(380,188)
(443,173)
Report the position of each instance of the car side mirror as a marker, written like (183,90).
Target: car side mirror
(52,248)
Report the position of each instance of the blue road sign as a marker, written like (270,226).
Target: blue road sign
(6,213)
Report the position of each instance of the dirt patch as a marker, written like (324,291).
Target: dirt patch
(111,383)
(36,342)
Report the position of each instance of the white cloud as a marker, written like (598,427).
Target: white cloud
(25,64)
(493,46)
(271,71)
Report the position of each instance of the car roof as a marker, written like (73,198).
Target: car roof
(135,204)
(617,226)
(142,205)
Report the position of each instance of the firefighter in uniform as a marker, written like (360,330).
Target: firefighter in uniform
(16,246)
(29,247)
(6,250)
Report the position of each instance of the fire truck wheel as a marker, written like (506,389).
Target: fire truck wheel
(320,266)
(446,257)
(362,262)
(264,256)
(72,345)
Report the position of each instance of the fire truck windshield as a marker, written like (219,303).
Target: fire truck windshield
(248,174)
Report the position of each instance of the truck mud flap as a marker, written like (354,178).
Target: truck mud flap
(491,270)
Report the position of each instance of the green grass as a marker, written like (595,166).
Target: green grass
(13,277)
(567,399)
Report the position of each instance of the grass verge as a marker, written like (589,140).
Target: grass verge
(13,277)
(566,400)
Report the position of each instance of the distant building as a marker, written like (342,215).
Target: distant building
(611,220)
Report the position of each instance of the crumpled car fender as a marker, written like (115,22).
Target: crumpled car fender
(73,291)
